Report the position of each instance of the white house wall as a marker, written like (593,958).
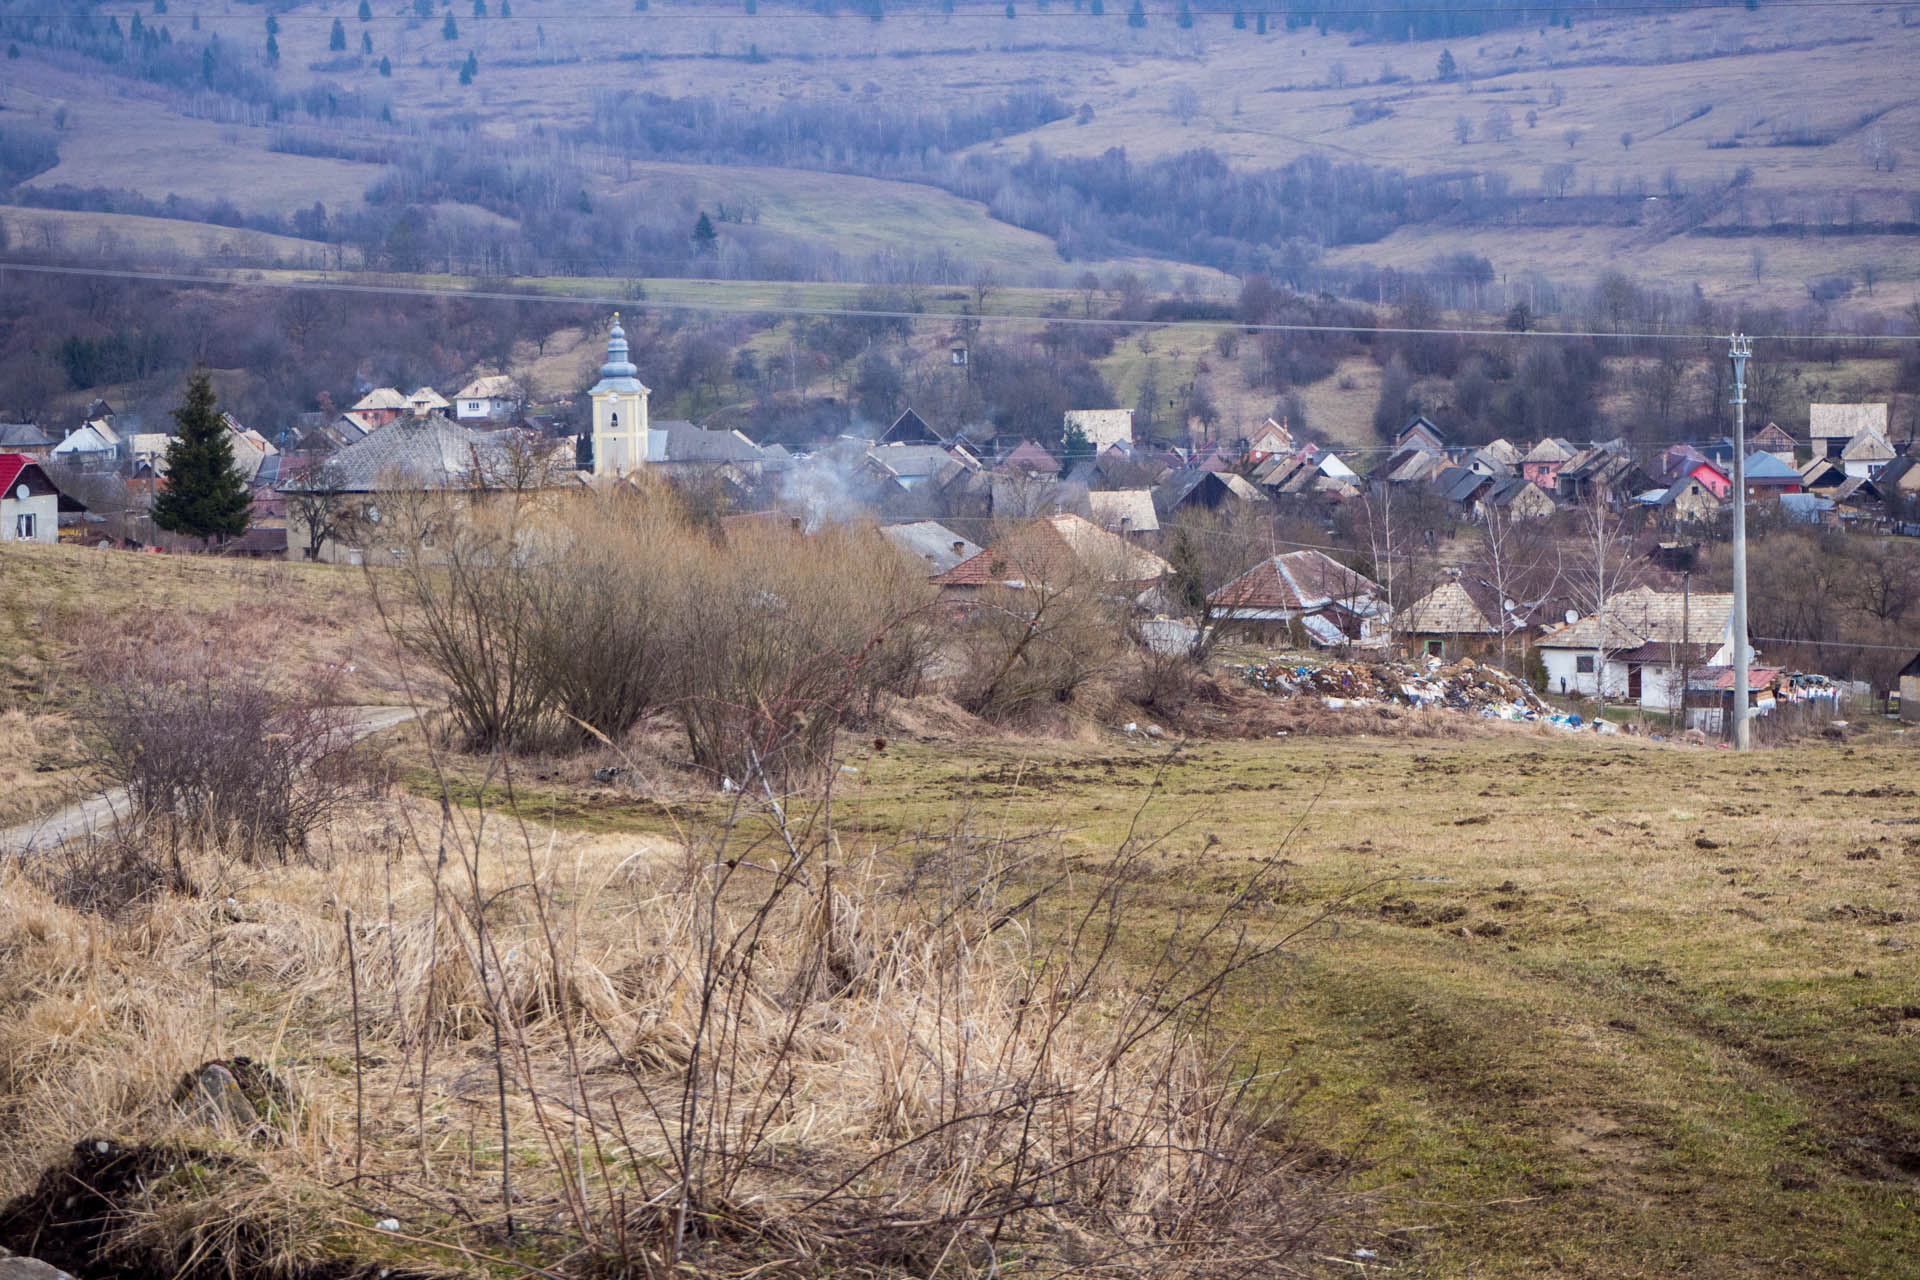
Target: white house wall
(45,510)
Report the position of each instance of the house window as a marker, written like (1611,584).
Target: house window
(1433,648)
(23,527)
(1584,664)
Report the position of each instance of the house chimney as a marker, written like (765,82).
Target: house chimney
(959,548)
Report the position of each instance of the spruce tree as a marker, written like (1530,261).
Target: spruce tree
(366,42)
(468,68)
(273,50)
(1260,27)
(1099,8)
(386,65)
(205,497)
(366,11)
(705,238)
(450,30)
(159,6)
(1137,16)
(337,40)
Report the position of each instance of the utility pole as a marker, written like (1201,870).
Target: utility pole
(1740,352)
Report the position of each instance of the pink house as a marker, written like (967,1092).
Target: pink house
(1718,482)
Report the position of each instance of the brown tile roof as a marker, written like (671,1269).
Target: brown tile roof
(1296,580)
(1052,549)
(1447,610)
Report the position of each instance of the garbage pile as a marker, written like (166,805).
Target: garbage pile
(1465,685)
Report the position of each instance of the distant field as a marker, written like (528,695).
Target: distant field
(155,240)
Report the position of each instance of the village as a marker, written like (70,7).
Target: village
(1567,565)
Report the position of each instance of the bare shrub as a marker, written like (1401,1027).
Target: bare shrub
(1021,648)
(783,638)
(215,755)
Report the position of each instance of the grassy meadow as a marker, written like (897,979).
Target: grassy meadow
(1584,1008)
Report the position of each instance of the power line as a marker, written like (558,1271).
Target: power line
(1838,644)
(861,313)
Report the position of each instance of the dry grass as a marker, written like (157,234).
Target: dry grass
(850,1068)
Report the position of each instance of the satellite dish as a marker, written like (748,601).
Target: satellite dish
(1508,605)
(22,493)
(1572,617)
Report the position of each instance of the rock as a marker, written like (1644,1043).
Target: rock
(15,1268)
(212,1097)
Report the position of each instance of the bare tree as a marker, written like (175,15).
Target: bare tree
(1516,561)
(1598,565)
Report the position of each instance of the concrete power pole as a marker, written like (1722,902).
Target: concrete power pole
(1740,352)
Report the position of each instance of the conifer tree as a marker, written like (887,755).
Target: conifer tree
(1137,16)
(205,497)
(366,11)
(386,66)
(366,42)
(337,40)
(705,238)
(273,50)
(1099,8)
(450,30)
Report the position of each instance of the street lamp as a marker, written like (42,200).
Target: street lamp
(1740,352)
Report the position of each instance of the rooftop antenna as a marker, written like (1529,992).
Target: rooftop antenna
(1740,352)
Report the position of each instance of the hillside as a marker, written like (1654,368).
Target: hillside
(1685,147)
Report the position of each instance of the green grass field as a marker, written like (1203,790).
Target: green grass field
(1596,1009)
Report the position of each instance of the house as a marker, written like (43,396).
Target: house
(1651,640)
(1123,511)
(377,408)
(912,466)
(426,400)
(910,428)
(1517,498)
(1806,508)
(1830,426)
(1197,489)
(95,444)
(1055,552)
(1821,473)
(412,455)
(1542,463)
(1448,623)
(1771,439)
(1606,472)
(496,396)
(930,545)
(30,502)
(1866,454)
(1421,434)
(1910,691)
(24,437)
(1031,459)
(1103,428)
(1305,595)
(1686,500)
(1768,477)
(1461,486)
(1709,699)
(1414,464)
(1271,440)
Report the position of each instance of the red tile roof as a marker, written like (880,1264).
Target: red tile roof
(11,465)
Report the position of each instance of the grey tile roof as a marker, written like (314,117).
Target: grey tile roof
(411,453)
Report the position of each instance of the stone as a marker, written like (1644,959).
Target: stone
(15,1268)
(212,1097)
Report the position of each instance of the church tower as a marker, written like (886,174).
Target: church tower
(619,411)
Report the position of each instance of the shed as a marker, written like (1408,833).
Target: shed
(1910,691)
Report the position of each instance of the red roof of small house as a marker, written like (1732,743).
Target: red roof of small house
(11,465)
(1029,456)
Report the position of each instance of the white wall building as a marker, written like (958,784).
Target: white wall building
(620,430)
(1653,639)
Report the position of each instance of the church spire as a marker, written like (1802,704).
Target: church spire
(617,365)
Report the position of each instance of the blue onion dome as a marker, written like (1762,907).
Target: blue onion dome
(617,365)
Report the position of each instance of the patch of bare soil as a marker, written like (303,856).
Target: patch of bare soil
(113,1211)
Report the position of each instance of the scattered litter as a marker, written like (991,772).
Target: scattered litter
(1465,685)
(387,1224)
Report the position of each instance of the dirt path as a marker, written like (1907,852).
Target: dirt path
(102,812)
